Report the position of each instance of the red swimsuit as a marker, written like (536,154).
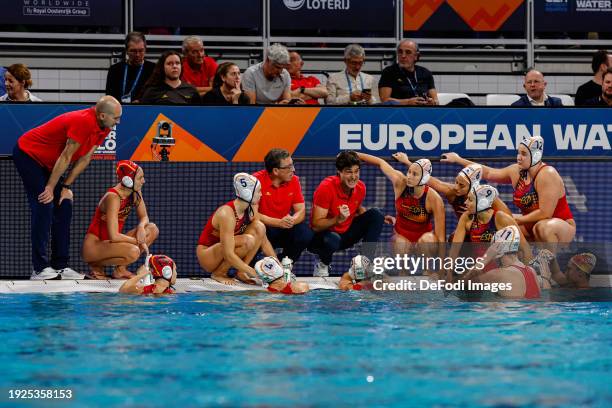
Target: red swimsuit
(480,234)
(98,222)
(286,290)
(210,235)
(532,289)
(148,290)
(525,197)
(413,220)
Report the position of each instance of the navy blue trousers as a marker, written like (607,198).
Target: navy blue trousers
(47,219)
(365,227)
(293,241)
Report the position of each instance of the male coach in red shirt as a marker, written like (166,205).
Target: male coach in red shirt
(338,218)
(41,156)
(281,207)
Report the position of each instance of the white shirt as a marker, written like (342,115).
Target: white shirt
(30,97)
(338,87)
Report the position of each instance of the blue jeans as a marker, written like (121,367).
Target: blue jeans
(365,227)
(46,218)
(293,241)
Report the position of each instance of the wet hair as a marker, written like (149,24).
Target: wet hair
(278,54)
(273,158)
(354,50)
(222,71)
(135,36)
(21,73)
(347,159)
(600,57)
(159,75)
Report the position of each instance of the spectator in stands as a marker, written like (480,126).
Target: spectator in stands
(306,88)
(165,87)
(17,80)
(405,83)
(592,89)
(41,157)
(226,88)
(605,98)
(126,79)
(535,85)
(2,88)
(351,86)
(281,207)
(269,81)
(198,69)
(338,218)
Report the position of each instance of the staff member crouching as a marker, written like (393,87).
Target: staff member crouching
(104,243)
(519,280)
(278,278)
(358,276)
(155,277)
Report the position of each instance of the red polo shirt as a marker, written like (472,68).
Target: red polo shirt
(306,82)
(276,202)
(202,76)
(330,195)
(46,142)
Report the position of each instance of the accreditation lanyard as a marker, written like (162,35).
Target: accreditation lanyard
(416,82)
(125,71)
(348,81)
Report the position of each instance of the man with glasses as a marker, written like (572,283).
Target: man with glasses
(125,80)
(405,83)
(535,85)
(351,86)
(269,82)
(281,207)
(338,218)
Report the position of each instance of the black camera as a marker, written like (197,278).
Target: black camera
(163,141)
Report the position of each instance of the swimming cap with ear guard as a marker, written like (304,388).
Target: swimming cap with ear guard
(425,166)
(360,268)
(245,186)
(268,270)
(160,266)
(585,262)
(485,196)
(126,172)
(535,145)
(509,240)
(473,172)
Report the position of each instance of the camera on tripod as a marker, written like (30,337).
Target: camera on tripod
(163,142)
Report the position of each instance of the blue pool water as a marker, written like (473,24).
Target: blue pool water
(323,349)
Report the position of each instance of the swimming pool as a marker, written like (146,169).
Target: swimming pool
(325,348)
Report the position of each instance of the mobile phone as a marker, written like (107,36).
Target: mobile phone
(369,91)
(294,101)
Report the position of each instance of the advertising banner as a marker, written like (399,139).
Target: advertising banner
(63,12)
(244,14)
(243,134)
(575,15)
(334,15)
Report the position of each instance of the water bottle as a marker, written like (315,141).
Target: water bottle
(287,266)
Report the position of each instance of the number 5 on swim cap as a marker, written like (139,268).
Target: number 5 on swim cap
(245,185)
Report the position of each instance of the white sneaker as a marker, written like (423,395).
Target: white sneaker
(70,274)
(46,274)
(321,270)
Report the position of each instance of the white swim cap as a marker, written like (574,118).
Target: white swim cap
(535,145)
(485,196)
(245,186)
(268,269)
(360,268)
(425,166)
(473,172)
(509,240)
